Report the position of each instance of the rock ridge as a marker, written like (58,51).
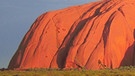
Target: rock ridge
(92,36)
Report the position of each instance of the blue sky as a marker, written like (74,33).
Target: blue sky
(16,16)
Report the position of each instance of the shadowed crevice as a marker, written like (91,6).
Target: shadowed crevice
(129,57)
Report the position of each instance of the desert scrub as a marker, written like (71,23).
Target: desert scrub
(122,71)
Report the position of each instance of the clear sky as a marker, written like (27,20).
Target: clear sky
(16,16)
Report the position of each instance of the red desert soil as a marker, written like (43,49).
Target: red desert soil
(92,36)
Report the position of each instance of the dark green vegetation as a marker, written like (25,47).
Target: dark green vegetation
(123,71)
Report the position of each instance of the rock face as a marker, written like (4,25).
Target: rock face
(92,36)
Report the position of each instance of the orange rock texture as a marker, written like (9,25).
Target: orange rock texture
(93,36)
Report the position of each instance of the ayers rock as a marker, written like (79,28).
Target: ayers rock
(92,36)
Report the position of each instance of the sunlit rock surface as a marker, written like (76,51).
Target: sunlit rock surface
(93,36)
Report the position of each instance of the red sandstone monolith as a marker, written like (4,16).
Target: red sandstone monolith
(93,36)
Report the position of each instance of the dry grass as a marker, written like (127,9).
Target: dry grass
(123,71)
